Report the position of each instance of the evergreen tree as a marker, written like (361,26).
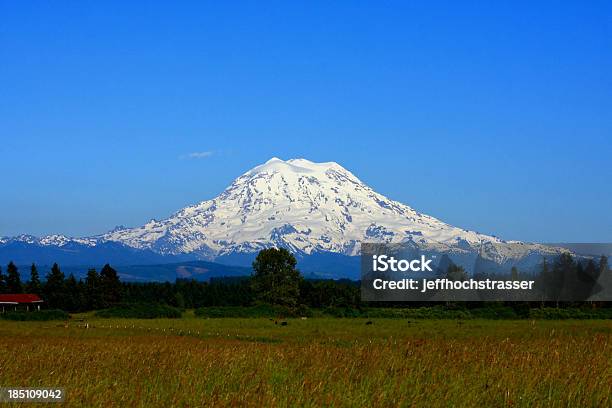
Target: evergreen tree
(276,281)
(13,281)
(82,290)
(34,285)
(564,276)
(587,279)
(72,300)
(110,286)
(603,265)
(591,270)
(92,290)
(54,289)
(580,271)
(546,281)
(583,283)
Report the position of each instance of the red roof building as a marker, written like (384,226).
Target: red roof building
(19,299)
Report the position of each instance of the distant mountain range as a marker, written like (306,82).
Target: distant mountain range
(319,211)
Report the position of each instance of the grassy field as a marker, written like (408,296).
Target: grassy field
(314,362)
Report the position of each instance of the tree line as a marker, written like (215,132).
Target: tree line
(275,281)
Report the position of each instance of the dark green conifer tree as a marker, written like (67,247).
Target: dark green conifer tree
(72,301)
(93,293)
(33,285)
(110,285)
(603,265)
(13,280)
(55,289)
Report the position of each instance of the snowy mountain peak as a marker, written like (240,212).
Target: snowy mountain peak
(300,166)
(56,239)
(305,206)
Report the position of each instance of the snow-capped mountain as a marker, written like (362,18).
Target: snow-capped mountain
(307,207)
(310,208)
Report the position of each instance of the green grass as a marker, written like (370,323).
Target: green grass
(312,362)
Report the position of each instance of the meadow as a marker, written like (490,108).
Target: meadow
(195,362)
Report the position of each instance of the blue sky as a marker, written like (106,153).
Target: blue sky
(494,117)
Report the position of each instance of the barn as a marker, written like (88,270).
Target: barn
(20,301)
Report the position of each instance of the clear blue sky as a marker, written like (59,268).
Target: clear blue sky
(495,117)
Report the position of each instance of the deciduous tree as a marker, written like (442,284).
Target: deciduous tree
(275,279)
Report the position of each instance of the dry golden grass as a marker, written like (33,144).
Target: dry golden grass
(317,362)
